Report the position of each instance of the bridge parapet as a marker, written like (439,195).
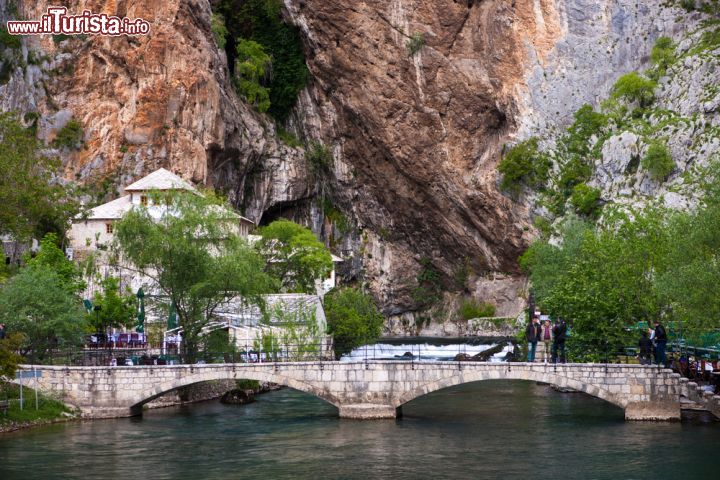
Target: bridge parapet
(372,389)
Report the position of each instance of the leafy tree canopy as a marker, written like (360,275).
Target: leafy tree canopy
(195,256)
(33,201)
(37,303)
(117,308)
(353,319)
(294,255)
(52,257)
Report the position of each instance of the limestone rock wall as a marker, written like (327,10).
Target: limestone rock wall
(416,136)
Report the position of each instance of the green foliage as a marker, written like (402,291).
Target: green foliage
(194,255)
(48,407)
(588,123)
(9,359)
(260,21)
(294,256)
(658,161)
(60,37)
(117,308)
(586,200)
(663,55)
(9,41)
(471,308)
(33,203)
(52,257)
(288,138)
(336,216)
(524,164)
(70,136)
(602,280)
(429,287)
(633,87)
(219,30)
(353,319)
(37,303)
(688,5)
(251,69)
(319,158)
(415,43)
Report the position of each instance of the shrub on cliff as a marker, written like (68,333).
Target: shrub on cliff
(70,136)
(658,161)
(633,87)
(586,200)
(352,318)
(261,21)
(471,308)
(663,55)
(524,164)
(251,68)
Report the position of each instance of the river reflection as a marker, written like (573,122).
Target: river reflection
(492,429)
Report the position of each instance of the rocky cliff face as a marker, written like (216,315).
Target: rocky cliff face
(415,98)
(148,101)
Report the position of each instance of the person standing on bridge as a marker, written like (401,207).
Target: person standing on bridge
(660,343)
(559,335)
(532,334)
(545,343)
(646,346)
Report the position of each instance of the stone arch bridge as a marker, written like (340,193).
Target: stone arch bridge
(362,390)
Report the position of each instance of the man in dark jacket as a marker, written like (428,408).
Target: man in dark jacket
(532,335)
(559,336)
(660,343)
(2,331)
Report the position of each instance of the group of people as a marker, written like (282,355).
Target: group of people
(653,342)
(547,339)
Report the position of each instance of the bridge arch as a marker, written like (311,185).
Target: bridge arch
(463,377)
(148,394)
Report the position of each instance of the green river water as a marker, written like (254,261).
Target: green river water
(492,429)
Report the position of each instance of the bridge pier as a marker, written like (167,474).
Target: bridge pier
(367,411)
(658,410)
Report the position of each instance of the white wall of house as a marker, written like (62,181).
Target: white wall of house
(88,234)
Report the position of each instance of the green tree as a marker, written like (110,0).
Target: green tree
(194,256)
(353,319)
(658,161)
(9,358)
(51,256)
(261,21)
(33,201)
(662,55)
(692,280)
(586,200)
(294,255)
(252,67)
(37,303)
(220,31)
(117,308)
(603,280)
(524,164)
(633,87)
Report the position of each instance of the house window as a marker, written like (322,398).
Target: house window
(108,228)
(143,200)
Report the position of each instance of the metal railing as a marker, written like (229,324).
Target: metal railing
(505,350)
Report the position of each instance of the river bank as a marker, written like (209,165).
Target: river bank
(46,411)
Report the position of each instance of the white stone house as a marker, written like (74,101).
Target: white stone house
(94,230)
